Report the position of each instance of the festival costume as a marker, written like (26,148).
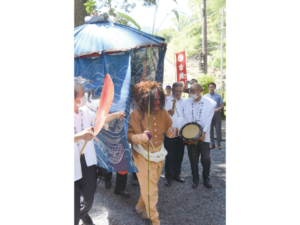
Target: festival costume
(133,107)
(202,113)
(159,124)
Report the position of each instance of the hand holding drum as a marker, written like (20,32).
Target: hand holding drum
(192,134)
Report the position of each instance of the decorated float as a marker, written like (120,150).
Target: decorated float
(102,47)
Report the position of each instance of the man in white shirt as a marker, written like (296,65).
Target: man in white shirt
(201,110)
(174,146)
(84,164)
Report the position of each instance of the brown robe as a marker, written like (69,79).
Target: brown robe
(159,124)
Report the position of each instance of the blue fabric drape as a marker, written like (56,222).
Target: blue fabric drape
(112,149)
(129,48)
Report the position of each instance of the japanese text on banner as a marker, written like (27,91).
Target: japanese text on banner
(181,67)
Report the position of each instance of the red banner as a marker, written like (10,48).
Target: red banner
(181,67)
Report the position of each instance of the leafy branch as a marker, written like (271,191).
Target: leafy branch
(90,7)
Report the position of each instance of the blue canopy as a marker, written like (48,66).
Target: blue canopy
(123,53)
(102,37)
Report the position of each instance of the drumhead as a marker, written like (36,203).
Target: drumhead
(190,131)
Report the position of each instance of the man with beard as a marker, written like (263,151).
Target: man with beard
(138,134)
(174,146)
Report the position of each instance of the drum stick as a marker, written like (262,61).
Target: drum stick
(151,144)
(174,102)
(83,147)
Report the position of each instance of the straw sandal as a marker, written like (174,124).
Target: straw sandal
(141,212)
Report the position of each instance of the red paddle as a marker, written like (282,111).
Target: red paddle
(106,100)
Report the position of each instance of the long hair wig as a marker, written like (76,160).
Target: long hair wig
(141,95)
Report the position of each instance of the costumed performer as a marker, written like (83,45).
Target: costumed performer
(84,164)
(138,135)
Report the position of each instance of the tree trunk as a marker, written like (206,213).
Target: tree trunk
(79,12)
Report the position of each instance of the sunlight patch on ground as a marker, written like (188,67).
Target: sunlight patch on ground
(220,165)
(103,217)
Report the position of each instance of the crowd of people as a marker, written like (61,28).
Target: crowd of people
(169,112)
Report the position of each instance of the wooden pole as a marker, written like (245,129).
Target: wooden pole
(204,35)
(222,25)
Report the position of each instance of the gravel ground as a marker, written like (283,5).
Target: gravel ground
(178,204)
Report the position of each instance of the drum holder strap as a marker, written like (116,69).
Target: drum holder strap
(191,142)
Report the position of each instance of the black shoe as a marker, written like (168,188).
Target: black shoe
(207,184)
(107,184)
(169,183)
(195,185)
(178,179)
(87,220)
(124,194)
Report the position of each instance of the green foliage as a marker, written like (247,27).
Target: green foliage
(216,62)
(176,14)
(180,23)
(214,16)
(204,81)
(90,7)
(113,5)
(188,36)
(126,5)
(129,19)
(188,40)
(149,3)
(167,34)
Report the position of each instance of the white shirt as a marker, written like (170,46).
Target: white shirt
(177,116)
(191,113)
(83,120)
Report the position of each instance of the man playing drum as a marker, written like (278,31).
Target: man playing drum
(201,110)
(174,146)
